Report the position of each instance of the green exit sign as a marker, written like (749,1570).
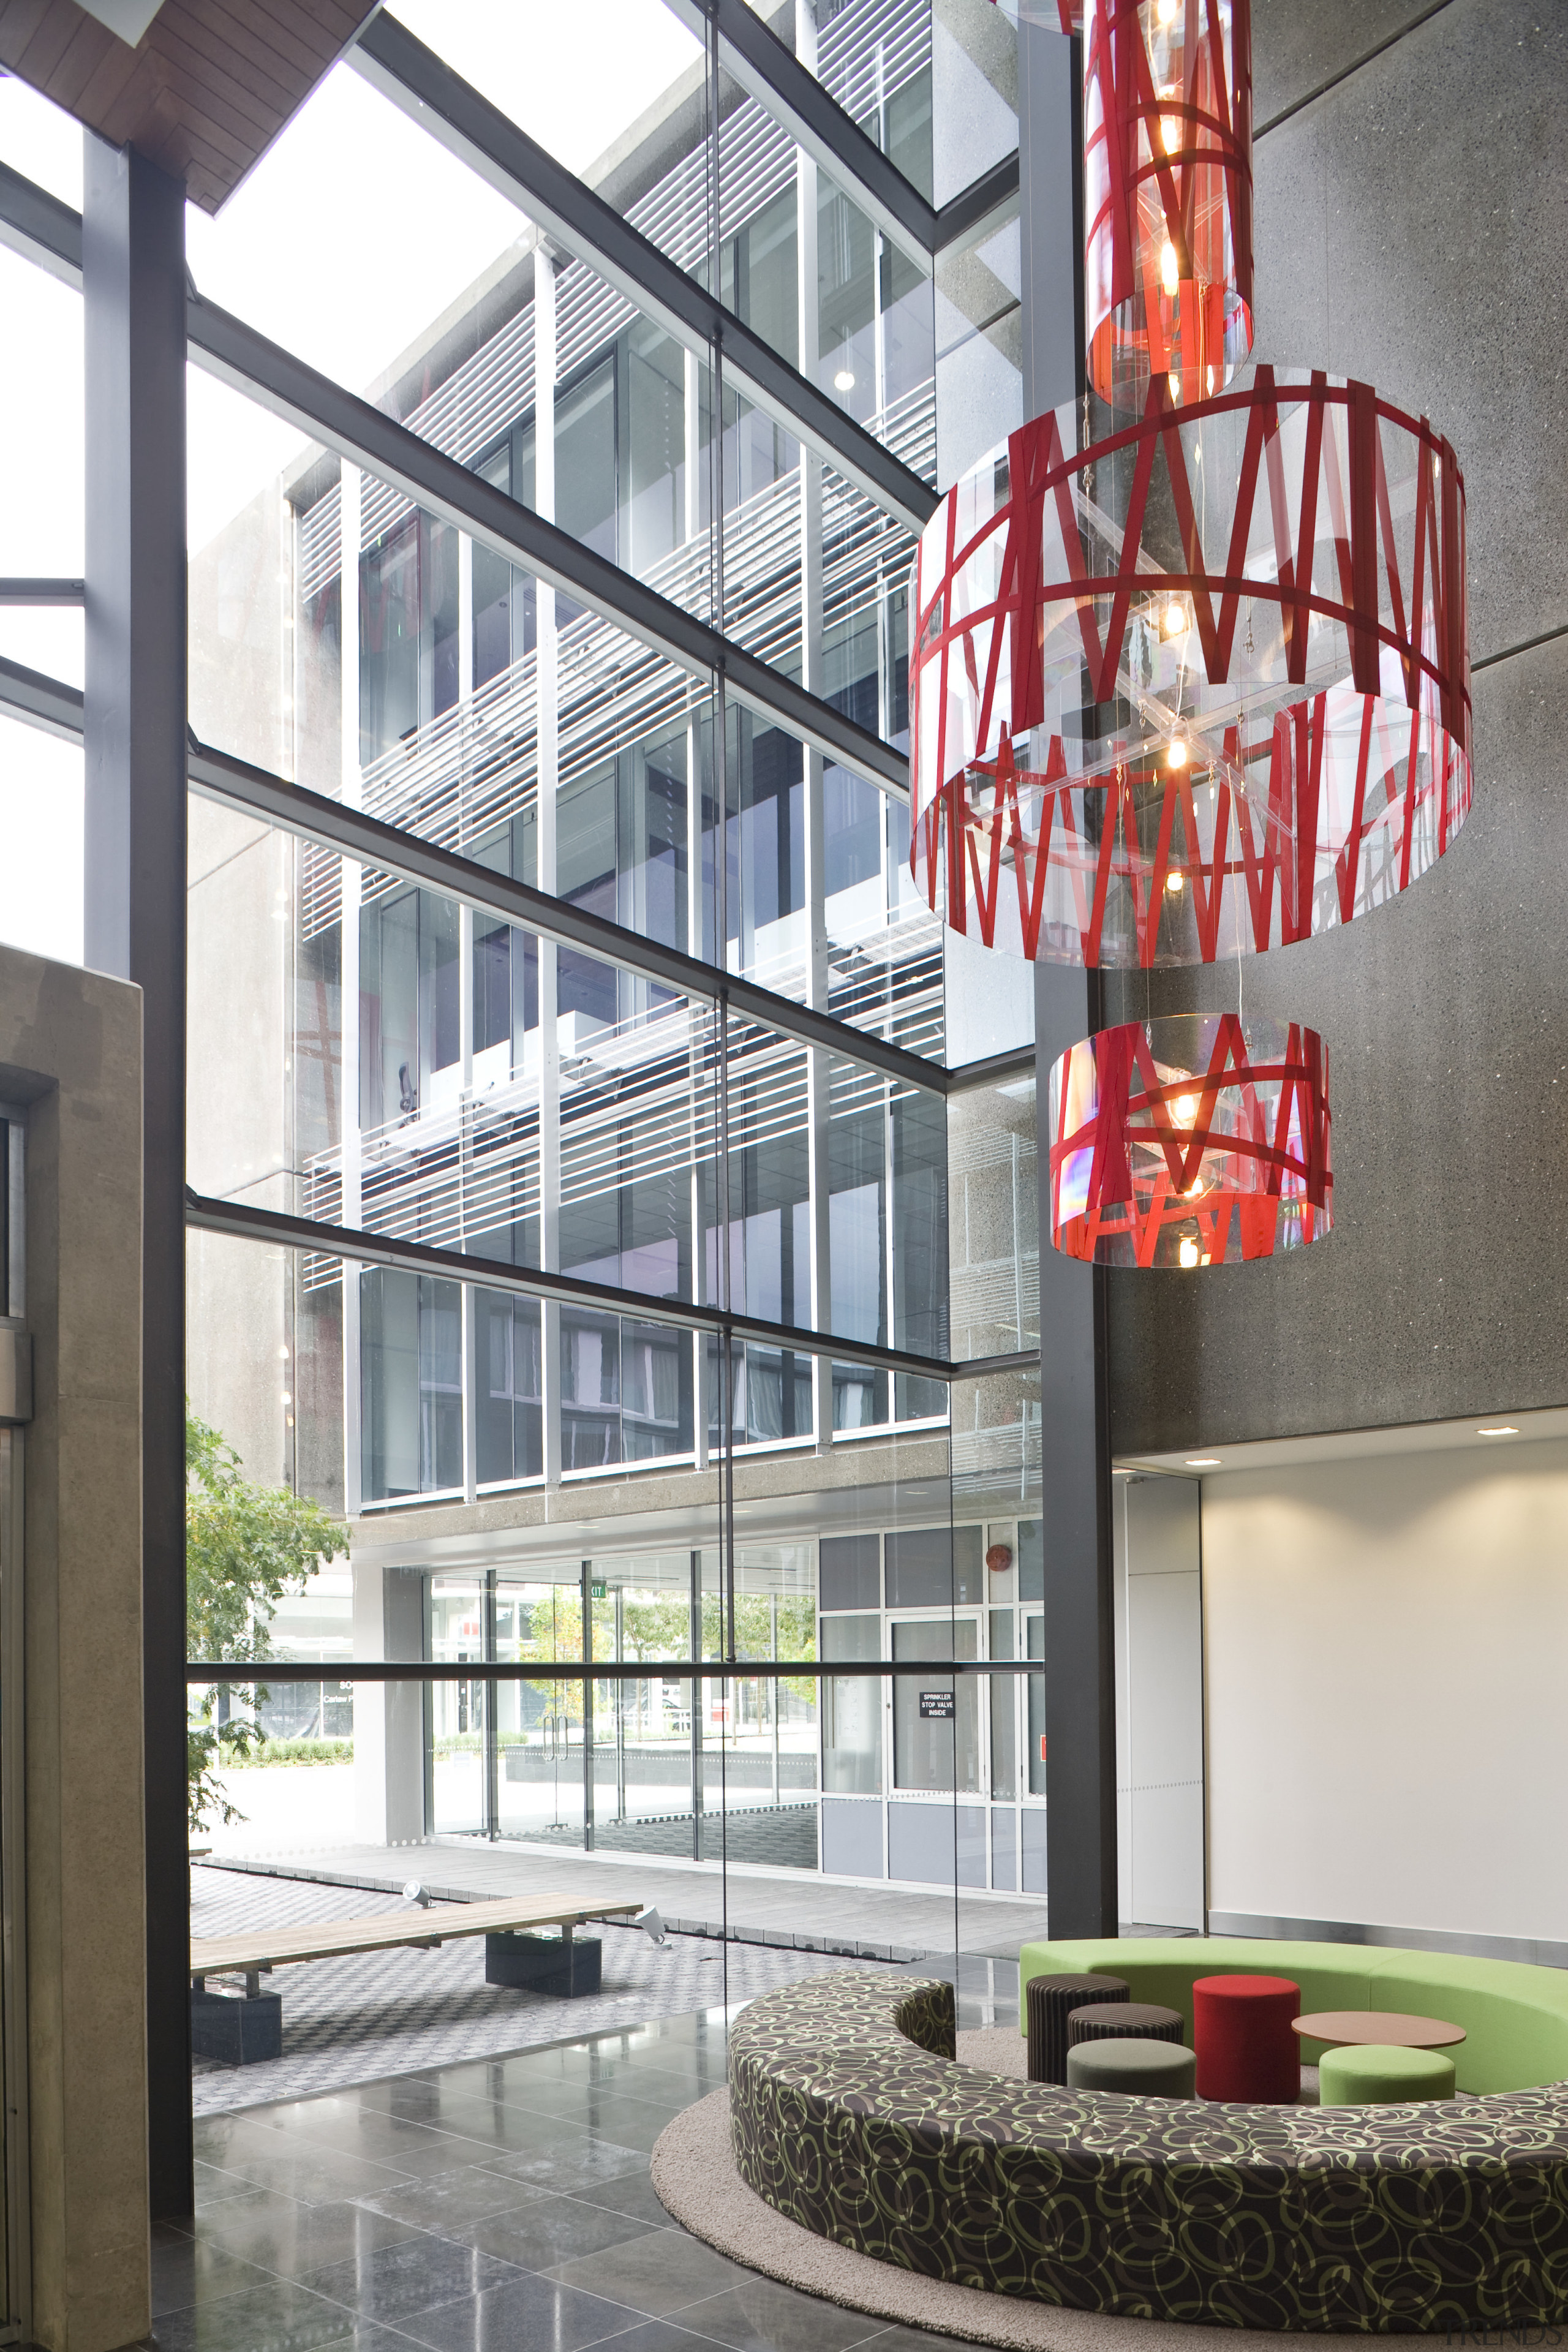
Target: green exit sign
(599,1592)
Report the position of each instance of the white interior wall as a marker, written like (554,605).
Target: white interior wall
(1385,1646)
(1159,1702)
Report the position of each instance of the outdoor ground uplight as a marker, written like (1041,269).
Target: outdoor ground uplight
(1190,1142)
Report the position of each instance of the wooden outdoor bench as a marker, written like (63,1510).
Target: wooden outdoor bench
(243,2031)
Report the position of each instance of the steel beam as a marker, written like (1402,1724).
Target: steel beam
(463,122)
(37,594)
(43,702)
(40,228)
(219,776)
(240,1221)
(56,708)
(1074,1409)
(134,272)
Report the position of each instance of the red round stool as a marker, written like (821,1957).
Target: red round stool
(1241,2032)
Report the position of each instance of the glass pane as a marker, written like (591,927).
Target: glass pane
(41,786)
(974,93)
(41,415)
(852,1723)
(410,1385)
(875,59)
(395,230)
(993,1220)
(41,140)
(1001,1697)
(979,343)
(529,62)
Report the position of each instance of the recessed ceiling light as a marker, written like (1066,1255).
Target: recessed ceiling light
(845,380)
(1503,1429)
(1202,1462)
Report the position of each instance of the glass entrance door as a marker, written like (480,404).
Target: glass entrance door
(936,1716)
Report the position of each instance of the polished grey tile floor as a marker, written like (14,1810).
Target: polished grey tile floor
(504,2202)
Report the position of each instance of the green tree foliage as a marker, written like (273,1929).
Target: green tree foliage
(246,1546)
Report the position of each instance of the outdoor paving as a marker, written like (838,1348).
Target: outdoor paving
(787,1907)
(461,2208)
(367,2015)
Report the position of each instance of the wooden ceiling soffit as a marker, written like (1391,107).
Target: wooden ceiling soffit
(204,92)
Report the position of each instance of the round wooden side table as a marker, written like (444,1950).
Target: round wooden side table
(1390,2027)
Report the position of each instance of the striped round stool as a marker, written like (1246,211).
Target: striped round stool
(1107,2021)
(1048,2001)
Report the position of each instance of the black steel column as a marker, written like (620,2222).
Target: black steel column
(133,279)
(1079,1636)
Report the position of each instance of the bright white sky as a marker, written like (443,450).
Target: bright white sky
(350,235)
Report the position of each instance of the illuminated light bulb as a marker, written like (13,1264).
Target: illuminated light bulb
(1174,881)
(1173,619)
(1179,753)
(1168,278)
(1188,1252)
(1168,11)
(845,380)
(1170,133)
(1174,381)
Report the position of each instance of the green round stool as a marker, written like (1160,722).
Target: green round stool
(1161,2070)
(1375,2073)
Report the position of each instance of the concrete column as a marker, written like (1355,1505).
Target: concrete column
(86,1944)
(819,1066)
(546,688)
(389,1737)
(351,498)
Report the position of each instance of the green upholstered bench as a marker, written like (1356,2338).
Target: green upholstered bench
(851,2115)
(1515,2017)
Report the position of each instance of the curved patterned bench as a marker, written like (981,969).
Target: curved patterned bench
(851,2116)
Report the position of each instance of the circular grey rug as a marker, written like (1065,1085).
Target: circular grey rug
(695,2175)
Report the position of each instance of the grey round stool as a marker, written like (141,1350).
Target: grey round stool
(1048,2001)
(1161,2070)
(1107,2021)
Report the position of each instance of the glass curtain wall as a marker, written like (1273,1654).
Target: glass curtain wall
(563,1485)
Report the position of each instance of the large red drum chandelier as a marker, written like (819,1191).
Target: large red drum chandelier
(1198,690)
(1190,1142)
(1202,689)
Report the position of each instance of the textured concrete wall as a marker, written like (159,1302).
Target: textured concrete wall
(240,1009)
(70,1046)
(1410,225)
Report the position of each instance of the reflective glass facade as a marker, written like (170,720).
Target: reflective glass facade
(448,1078)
